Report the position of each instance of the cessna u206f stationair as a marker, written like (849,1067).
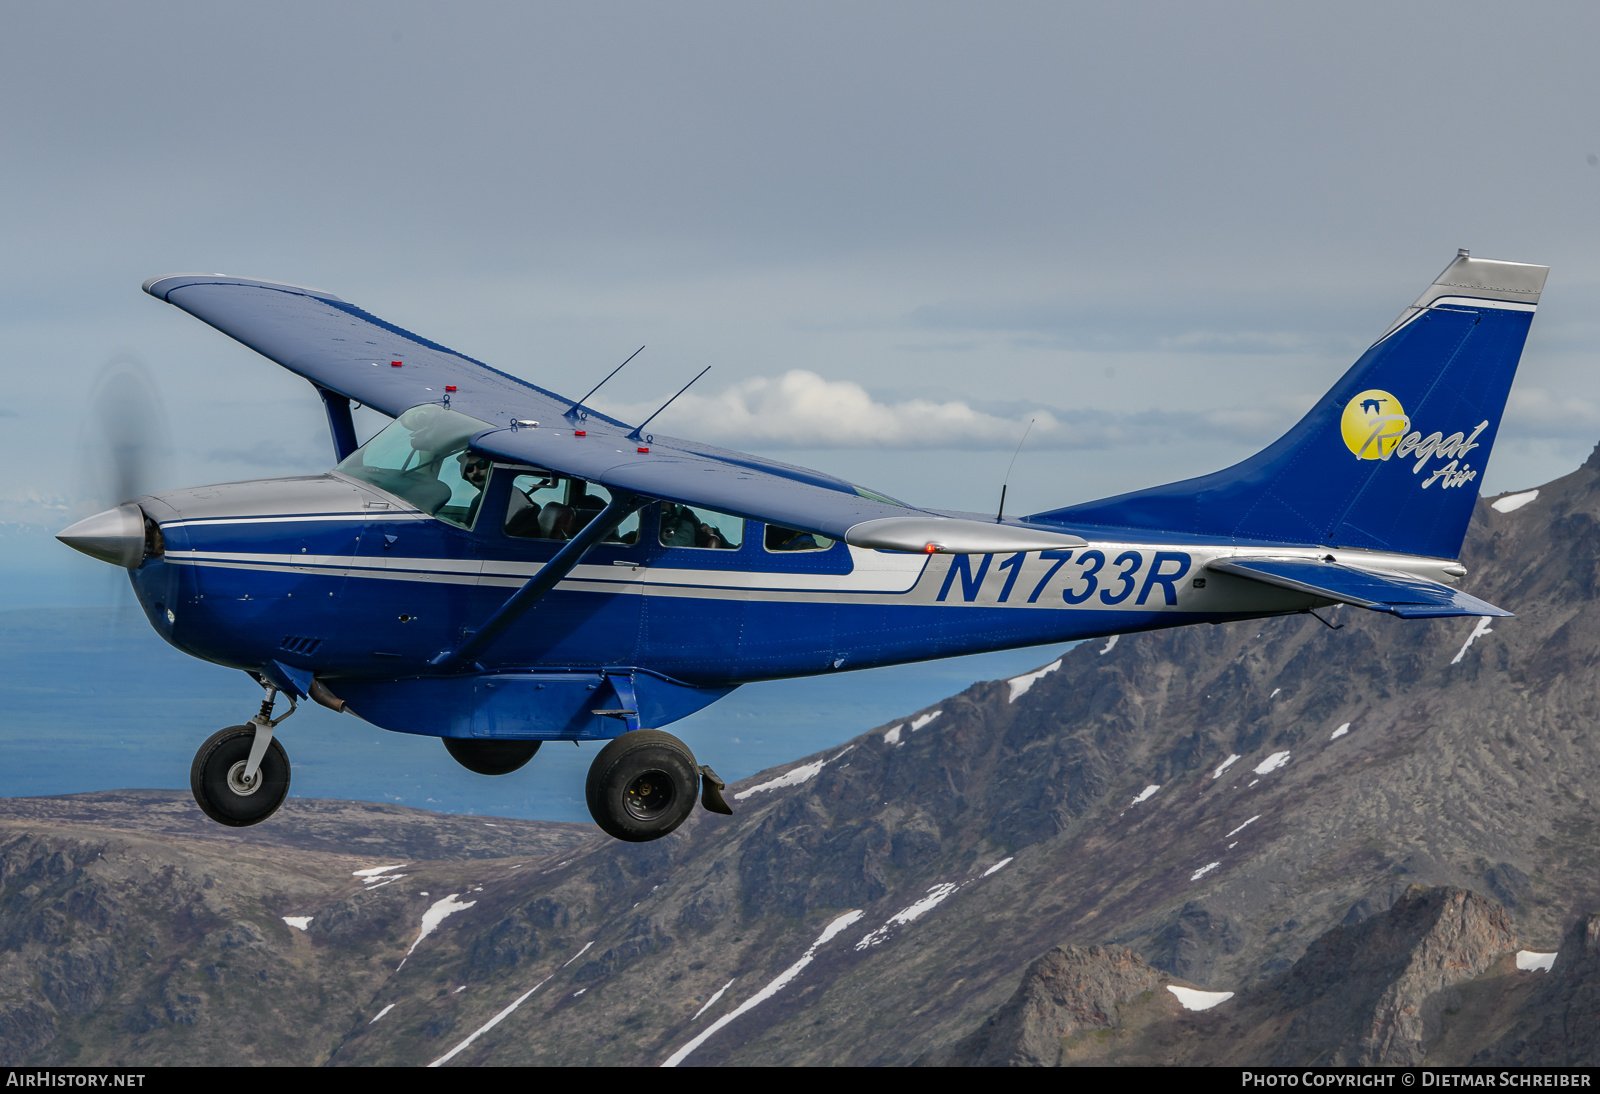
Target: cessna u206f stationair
(501,566)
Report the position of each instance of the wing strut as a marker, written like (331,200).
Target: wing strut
(340,423)
(621,507)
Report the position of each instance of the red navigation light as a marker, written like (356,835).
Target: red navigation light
(580,432)
(643,448)
(931,548)
(449,387)
(394,364)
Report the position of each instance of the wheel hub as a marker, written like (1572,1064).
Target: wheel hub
(239,784)
(649,795)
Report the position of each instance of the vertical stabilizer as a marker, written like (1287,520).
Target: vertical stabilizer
(1391,458)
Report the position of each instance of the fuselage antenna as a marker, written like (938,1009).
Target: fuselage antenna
(638,430)
(1001,512)
(576,410)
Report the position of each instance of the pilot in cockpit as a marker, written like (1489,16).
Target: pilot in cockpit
(475,472)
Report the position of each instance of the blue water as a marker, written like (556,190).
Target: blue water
(92,699)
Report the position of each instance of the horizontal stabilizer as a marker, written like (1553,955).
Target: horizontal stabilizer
(1405,595)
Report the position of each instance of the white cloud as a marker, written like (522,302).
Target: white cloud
(801,409)
(1546,413)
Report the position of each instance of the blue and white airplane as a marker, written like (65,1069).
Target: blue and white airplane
(501,566)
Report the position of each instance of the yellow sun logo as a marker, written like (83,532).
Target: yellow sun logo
(1373,424)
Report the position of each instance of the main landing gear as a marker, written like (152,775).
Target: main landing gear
(241,775)
(644,783)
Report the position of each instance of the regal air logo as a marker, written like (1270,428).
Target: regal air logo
(1375,427)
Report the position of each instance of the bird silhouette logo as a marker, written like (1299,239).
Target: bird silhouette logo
(1373,424)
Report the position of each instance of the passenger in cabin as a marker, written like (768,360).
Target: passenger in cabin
(682,527)
(787,539)
(679,526)
(556,521)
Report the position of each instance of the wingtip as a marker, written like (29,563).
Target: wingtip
(161,287)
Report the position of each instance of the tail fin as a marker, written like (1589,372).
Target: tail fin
(1391,458)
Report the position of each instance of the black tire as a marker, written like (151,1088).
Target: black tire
(642,785)
(490,757)
(220,799)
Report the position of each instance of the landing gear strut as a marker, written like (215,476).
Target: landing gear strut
(241,774)
(643,785)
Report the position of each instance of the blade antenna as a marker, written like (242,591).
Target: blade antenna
(638,430)
(576,410)
(1002,510)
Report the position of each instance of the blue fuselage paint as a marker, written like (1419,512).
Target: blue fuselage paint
(334,578)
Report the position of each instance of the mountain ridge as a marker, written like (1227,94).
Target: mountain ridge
(878,902)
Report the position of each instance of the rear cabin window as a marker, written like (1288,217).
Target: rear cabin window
(778,538)
(544,505)
(682,526)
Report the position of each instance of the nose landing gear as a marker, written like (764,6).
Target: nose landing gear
(241,774)
(643,785)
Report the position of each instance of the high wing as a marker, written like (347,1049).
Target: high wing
(1405,595)
(346,351)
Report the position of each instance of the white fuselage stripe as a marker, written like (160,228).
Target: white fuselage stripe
(870,575)
(1040,585)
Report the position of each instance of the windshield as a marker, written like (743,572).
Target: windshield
(422,457)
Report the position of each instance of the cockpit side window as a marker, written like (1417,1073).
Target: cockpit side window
(544,505)
(422,457)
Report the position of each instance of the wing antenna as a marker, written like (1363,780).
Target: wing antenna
(638,430)
(1002,510)
(576,410)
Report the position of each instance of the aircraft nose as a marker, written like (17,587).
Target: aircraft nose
(115,536)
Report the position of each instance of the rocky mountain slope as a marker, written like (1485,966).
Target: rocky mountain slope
(1220,808)
(1436,979)
(132,929)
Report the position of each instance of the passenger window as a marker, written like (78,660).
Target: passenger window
(544,505)
(779,538)
(682,526)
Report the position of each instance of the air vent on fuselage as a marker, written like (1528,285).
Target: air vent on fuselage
(294,644)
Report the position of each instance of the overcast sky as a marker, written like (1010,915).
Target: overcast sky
(897,231)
